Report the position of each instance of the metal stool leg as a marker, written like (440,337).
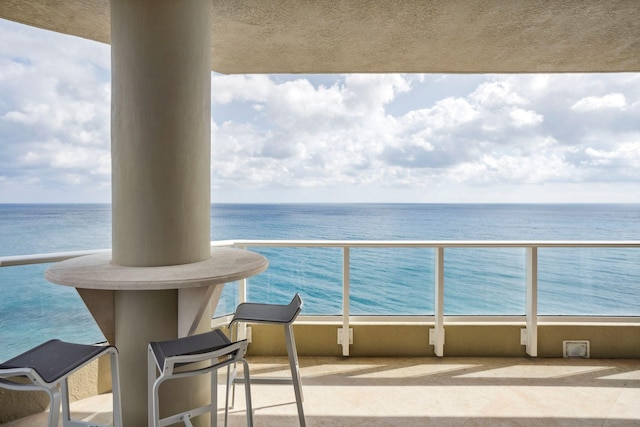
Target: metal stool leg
(232,371)
(231,388)
(54,410)
(115,390)
(151,376)
(214,400)
(295,371)
(247,392)
(66,412)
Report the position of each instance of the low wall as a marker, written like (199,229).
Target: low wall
(607,341)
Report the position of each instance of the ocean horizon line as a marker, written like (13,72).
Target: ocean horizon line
(350,203)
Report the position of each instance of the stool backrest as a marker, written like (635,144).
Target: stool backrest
(295,307)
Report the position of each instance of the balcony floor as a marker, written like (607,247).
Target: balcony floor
(433,392)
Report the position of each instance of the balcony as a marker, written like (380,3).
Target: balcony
(436,367)
(311,34)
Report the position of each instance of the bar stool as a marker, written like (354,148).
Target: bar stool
(213,347)
(48,366)
(275,314)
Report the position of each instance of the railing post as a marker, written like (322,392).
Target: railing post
(242,291)
(242,297)
(438,332)
(345,302)
(532,301)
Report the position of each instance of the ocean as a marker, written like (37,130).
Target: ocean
(389,281)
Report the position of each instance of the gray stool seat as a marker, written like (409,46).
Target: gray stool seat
(252,312)
(276,314)
(186,353)
(48,366)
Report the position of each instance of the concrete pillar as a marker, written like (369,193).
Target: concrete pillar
(160,143)
(160,131)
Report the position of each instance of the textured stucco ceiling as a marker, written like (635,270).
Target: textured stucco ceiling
(336,36)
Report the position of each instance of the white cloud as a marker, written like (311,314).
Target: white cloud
(521,118)
(364,137)
(496,94)
(506,131)
(624,155)
(370,92)
(447,114)
(226,89)
(595,103)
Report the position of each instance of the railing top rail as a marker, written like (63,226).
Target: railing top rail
(7,261)
(444,243)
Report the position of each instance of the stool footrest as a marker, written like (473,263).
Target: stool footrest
(262,380)
(177,418)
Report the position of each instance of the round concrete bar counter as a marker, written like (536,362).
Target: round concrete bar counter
(97,272)
(136,305)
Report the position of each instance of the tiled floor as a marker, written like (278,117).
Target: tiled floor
(435,392)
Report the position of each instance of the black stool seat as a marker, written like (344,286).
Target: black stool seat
(48,366)
(268,313)
(192,345)
(215,349)
(54,359)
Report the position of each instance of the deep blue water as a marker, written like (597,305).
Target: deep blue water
(383,281)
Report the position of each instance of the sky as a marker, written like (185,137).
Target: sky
(402,138)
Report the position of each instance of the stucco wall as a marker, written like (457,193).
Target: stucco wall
(480,340)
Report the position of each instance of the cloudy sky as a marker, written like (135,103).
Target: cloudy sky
(331,138)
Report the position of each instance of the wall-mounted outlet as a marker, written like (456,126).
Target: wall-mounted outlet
(576,348)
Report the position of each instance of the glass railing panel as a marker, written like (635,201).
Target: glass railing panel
(391,281)
(314,272)
(33,310)
(38,229)
(484,281)
(589,281)
(228,300)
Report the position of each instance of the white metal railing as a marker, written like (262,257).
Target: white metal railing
(530,320)
(436,335)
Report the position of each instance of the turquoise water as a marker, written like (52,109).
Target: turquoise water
(383,281)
